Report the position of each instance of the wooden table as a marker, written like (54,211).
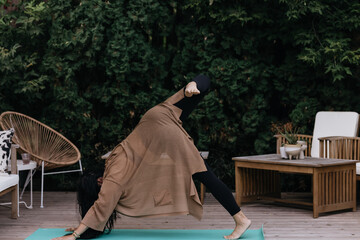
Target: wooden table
(333,180)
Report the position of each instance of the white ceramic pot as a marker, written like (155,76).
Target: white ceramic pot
(283,153)
(302,149)
(292,151)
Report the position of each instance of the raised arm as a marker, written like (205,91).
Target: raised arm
(194,92)
(199,85)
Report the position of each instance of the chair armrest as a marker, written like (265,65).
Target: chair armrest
(13,158)
(340,147)
(334,138)
(280,140)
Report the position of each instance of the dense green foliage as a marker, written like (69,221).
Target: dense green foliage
(91,68)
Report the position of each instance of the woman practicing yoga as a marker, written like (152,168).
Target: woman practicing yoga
(151,172)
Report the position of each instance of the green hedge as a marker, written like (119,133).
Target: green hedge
(91,68)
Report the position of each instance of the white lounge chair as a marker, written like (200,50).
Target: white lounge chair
(10,184)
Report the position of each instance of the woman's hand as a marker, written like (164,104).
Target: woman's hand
(79,230)
(191,89)
(70,229)
(67,237)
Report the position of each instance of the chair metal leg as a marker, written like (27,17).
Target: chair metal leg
(42,185)
(81,170)
(53,173)
(31,189)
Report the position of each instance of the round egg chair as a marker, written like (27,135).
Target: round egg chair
(47,147)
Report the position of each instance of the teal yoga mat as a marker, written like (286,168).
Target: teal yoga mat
(152,234)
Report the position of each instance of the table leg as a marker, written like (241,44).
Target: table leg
(202,193)
(315,188)
(333,189)
(238,186)
(27,181)
(25,184)
(253,184)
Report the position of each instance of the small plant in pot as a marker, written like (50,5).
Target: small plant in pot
(290,136)
(292,148)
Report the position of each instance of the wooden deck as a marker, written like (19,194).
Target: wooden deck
(280,222)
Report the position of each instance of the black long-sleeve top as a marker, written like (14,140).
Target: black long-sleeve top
(188,104)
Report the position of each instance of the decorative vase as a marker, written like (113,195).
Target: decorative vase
(292,150)
(283,153)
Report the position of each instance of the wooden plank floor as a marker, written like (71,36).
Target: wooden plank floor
(280,222)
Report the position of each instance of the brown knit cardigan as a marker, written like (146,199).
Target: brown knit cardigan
(150,172)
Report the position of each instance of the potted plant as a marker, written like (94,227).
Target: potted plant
(290,136)
(292,147)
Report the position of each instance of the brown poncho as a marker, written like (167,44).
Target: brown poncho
(150,172)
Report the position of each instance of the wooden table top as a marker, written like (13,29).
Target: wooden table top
(275,159)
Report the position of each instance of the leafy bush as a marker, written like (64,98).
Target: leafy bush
(91,68)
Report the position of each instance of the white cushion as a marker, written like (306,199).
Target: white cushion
(5,148)
(357,168)
(329,124)
(7,181)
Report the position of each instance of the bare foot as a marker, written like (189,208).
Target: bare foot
(242,224)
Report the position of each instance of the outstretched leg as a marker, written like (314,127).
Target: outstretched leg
(223,194)
(219,190)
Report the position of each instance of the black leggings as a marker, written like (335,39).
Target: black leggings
(218,189)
